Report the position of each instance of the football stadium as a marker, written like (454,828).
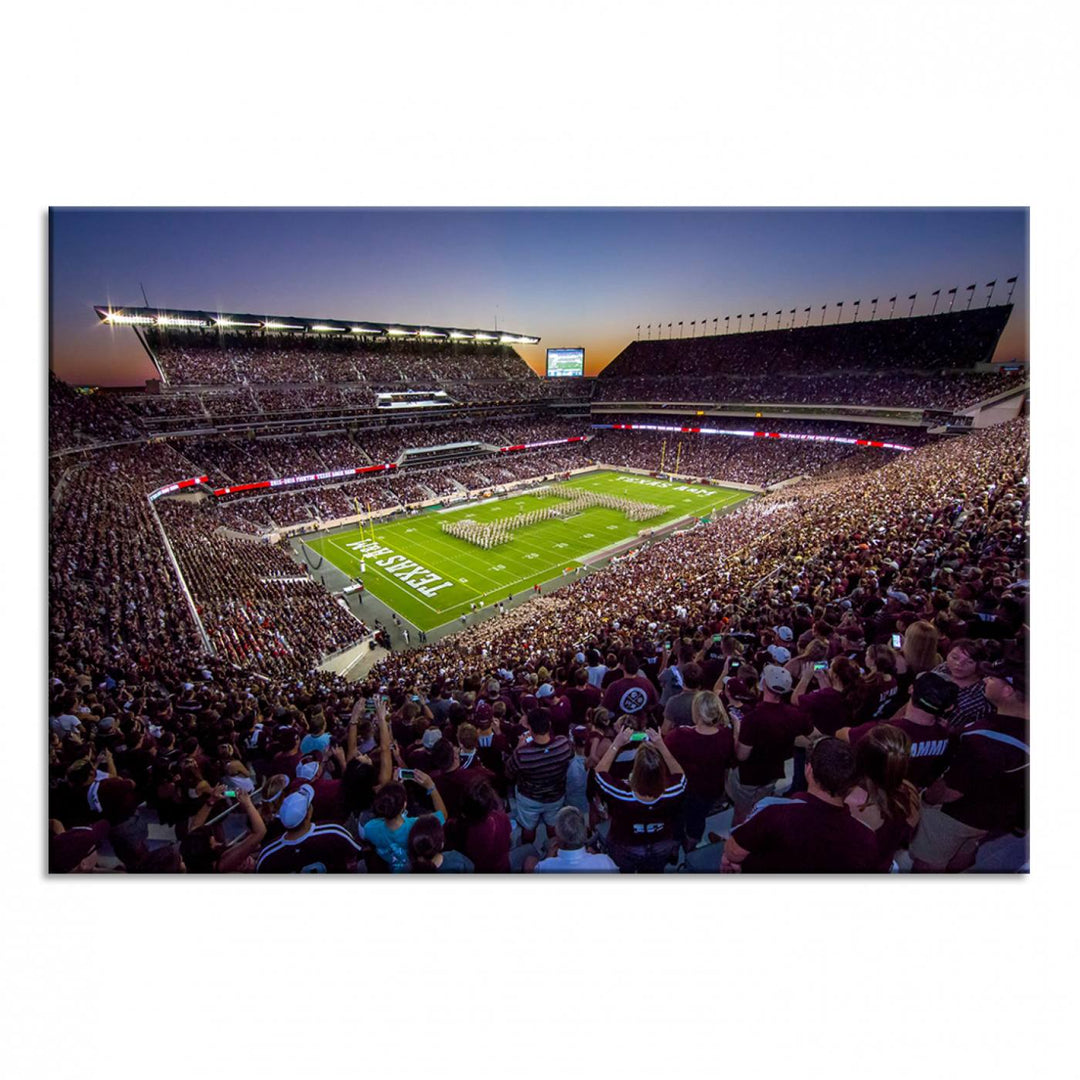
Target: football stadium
(353,595)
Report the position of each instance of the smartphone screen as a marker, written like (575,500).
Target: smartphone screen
(897,641)
(716,639)
(230,793)
(406,774)
(734,665)
(821,665)
(639,736)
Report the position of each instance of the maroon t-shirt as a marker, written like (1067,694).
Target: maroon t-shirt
(630,694)
(561,713)
(453,786)
(705,759)
(324,849)
(827,708)
(488,844)
(991,768)
(930,747)
(770,729)
(583,698)
(805,835)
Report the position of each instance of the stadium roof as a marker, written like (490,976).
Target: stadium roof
(173,318)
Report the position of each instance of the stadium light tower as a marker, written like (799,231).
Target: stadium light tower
(727,319)
(740,324)
(857,303)
(714,322)
(648,333)
(873,310)
(952,299)
(693,327)
(971,293)
(839,310)
(935,294)
(669,330)
(751,322)
(912,299)
(892,305)
(824,308)
(680,329)
(792,314)
(639,332)
(990,285)
(778,314)
(1011,282)
(807,323)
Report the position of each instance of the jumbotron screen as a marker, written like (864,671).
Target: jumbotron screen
(562,362)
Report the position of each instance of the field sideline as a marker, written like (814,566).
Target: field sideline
(439,576)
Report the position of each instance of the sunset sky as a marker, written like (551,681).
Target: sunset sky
(572,277)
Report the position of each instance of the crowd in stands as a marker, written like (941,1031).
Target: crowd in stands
(258,608)
(854,644)
(761,462)
(77,419)
(751,662)
(890,390)
(198,359)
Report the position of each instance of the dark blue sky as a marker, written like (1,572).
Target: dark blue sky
(573,277)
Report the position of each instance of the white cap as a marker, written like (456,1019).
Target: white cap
(294,807)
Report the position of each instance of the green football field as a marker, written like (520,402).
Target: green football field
(430,578)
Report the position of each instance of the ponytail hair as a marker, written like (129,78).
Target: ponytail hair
(426,840)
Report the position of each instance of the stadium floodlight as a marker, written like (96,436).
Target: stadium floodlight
(176,320)
(396,332)
(225,321)
(326,329)
(128,320)
(363,330)
(457,335)
(485,337)
(281,326)
(429,333)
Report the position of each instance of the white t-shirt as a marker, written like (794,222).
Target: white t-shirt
(596,674)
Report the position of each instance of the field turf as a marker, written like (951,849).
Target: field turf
(439,576)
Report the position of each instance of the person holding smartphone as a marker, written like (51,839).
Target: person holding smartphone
(388,832)
(646,809)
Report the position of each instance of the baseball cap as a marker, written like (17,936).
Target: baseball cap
(547,690)
(431,737)
(579,658)
(784,633)
(776,679)
(1014,672)
(308,768)
(779,653)
(294,807)
(934,693)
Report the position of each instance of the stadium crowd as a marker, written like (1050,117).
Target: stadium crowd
(842,661)
(956,390)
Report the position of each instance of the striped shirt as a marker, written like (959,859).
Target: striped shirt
(539,769)
(323,849)
(637,822)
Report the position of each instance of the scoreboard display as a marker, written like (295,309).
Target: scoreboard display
(565,362)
